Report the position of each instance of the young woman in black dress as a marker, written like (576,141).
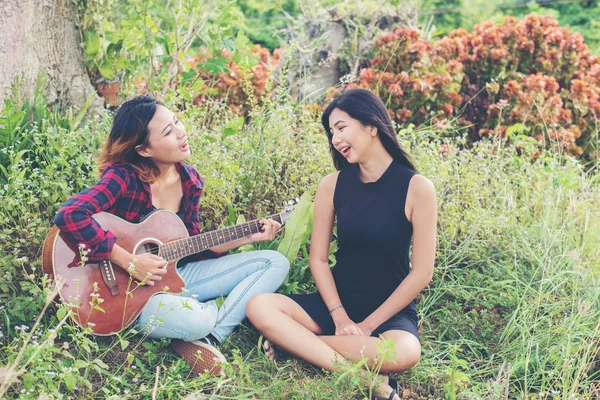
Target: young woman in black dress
(380,205)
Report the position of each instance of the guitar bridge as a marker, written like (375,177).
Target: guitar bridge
(108,275)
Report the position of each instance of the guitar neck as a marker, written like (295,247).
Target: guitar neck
(195,244)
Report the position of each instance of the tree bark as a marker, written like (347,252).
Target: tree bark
(317,70)
(41,36)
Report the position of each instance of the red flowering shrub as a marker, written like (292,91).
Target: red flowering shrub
(412,79)
(230,85)
(528,71)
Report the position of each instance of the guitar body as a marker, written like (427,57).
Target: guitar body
(94,303)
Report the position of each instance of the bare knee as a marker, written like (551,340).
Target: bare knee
(260,307)
(408,353)
(401,363)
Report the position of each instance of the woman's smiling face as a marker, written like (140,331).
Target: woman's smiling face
(349,136)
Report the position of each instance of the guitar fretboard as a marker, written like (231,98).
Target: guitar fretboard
(195,244)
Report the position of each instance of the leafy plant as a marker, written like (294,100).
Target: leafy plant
(528,71)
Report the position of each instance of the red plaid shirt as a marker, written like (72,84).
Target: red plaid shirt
(122,193)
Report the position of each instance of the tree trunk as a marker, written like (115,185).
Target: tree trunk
(41,36)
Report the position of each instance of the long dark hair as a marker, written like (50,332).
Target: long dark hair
(129,130)
(366,107)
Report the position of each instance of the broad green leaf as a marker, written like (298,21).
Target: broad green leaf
(100,363)
(124,344)
(242,42)
(228,132)
(70,381)
(214,65)
(92,43)
(231,213)
(229,44)
(61,312)
(240,219)
(150,24)
(220,300)
(121,62)
(188,75)
(106,70)
(295,228)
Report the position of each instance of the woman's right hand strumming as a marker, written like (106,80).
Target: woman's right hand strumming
(148,268)
(145,267)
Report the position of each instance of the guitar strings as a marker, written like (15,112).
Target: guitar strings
(218,234)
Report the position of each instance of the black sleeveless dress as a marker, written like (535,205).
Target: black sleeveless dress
(374,238)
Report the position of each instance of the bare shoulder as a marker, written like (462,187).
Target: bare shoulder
(328,182)
(421,198)
(421,188)
(326,190)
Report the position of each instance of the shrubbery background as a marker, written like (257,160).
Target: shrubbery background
(500,122)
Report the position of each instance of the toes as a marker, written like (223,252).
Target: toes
(269,350)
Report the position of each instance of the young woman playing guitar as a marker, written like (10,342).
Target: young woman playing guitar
(380,204)
(141,168)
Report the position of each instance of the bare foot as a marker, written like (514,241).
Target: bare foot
(384,390)
(270,350)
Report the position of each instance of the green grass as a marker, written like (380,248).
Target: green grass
(513,308)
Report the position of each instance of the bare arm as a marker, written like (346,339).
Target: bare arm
(319,256)
(421,207)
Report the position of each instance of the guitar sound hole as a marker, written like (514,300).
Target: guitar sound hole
(151,248)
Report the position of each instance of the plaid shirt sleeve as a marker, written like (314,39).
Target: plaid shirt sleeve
(74,219)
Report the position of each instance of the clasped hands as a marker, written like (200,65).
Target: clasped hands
(344,326)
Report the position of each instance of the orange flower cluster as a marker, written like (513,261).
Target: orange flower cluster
(230,85)
(414,82)
(528,71)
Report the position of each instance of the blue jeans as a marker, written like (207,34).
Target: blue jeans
(194,314)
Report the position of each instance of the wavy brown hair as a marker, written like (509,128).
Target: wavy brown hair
(130,130)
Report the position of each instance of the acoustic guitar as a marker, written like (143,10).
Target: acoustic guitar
(103,296)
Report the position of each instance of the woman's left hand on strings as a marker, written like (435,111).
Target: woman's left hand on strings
(269,230)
